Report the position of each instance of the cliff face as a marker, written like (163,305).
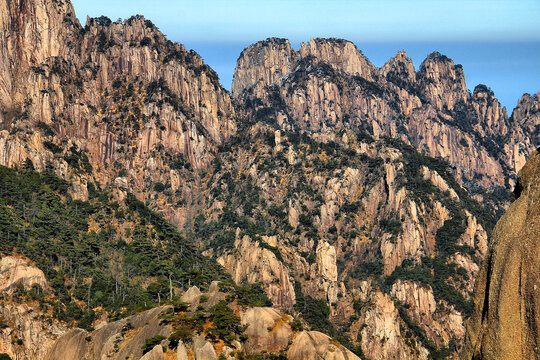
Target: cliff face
(328,83)
(328,194)
(27,331)
(364,239)
(121,93)
(505,321)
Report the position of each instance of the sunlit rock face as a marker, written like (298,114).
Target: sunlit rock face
(352,218)
(329,84)
(140,107)
(505,319)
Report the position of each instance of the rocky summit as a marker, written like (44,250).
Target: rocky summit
(325,208)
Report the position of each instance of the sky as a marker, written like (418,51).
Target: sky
(496,41)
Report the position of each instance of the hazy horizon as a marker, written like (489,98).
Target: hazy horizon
(497,42)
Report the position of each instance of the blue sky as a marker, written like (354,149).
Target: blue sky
(497,41)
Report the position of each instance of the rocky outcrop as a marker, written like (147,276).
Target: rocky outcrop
(399,70)
(267,330)
(442,82)
(115,340)
(440,322)
(268,62)
(72,345)
(382,338)
(527,114)
(15,270)
(27,332)
(205,352)
(505,321)
(311,345)
(155,354)
(181,352)
(526,117)
(328,211)
(33,32)
(252,263)
(262,65)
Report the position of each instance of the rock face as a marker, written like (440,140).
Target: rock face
(116,340)
(251,263)
(14,271)
(328,83)
(268,330)
(505,321)
(36,331)
(363,213)
(22,321)
(166,111)
(337,222)
(311,345)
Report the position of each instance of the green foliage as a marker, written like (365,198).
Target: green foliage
(181,333)
(436,273)
(3,323)
(150,343)
(367,269)
(5,356)
(315,312)
(264,356)
(420,334)
(296,325)
(104,269)
(448,234)
(391,226)
(52,147)
(46,129)
(252,295)
(225,323)
(78,159)
(421,188)
(358,306)
(351,207)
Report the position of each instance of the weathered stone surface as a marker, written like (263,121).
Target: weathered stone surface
(311,345)
(205,352)
(155,354)
(505,321)
(252,263)
(192,295)
(181,352)
(267,330)
(111,341)
(383,319)
(14,270)
(37,330)
(144,110)
(72,345)
(440,325)
(165,111)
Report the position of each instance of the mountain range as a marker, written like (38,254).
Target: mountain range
(149,213)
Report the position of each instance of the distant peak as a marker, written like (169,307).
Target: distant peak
(438,57)
(105,21)
(481,88)
(402,53)
(330,40)
(273,40)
